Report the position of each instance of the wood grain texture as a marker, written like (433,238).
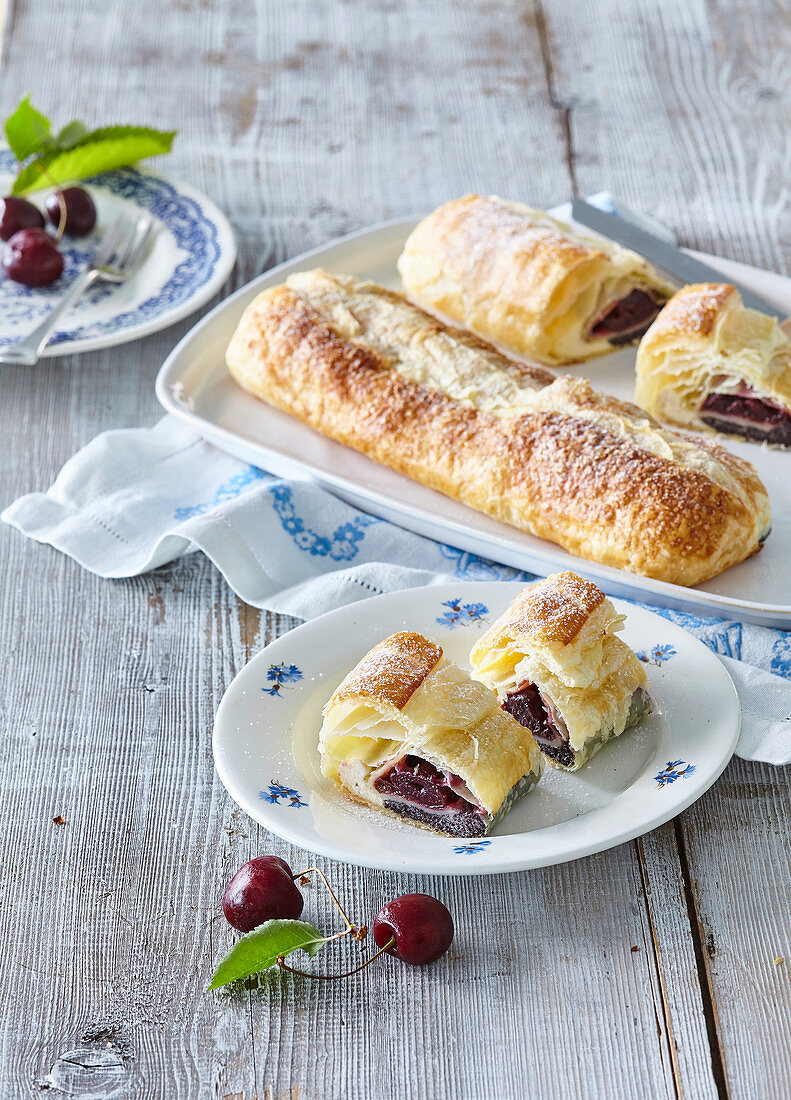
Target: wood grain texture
(686,111)
(738,849)
(303,121)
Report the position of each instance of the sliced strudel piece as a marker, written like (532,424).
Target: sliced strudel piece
(709,362)
(519,277)
(410,733)
(558,667)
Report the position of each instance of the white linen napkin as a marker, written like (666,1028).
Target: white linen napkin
(132,500)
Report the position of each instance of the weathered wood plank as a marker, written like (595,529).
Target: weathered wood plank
(690,1028)
(739,852)
(678,108)
(304,121)
(3,23)
(679,112)
(542,995)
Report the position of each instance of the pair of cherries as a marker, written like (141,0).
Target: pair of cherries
(419,926)
(32,256)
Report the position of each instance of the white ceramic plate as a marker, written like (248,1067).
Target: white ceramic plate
(191,258)
(194,384)
(267,725)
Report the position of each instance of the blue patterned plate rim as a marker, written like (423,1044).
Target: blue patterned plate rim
(199,253)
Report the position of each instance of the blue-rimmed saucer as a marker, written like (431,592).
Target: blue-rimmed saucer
(191,258)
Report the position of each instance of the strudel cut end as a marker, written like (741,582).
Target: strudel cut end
(557,665)
(409,733)
(519,277)
(710,363)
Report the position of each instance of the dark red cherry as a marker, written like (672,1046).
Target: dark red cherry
(16,214)
(80,211)
(261,890)
(32,257)
(280,863)
(421,925)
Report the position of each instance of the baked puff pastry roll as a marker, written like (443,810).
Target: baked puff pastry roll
(548,455)
(558,667)
(409,733)
(708,362)
(517,276)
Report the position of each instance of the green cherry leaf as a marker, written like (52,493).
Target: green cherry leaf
(100,151)
(71,133)
(259,949)
(27,130)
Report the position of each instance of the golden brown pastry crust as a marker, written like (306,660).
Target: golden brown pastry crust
(392,671)
(405,698)
(694,309)
(547,455)
(560,634)
(553,611)
(703,337)
(519,277)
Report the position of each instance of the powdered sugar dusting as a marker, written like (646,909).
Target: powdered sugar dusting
(694,309)
(556,609)
(392,671)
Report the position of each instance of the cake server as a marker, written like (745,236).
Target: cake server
(676,263)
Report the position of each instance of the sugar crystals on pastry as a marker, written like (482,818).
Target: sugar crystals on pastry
(709,362)
(409,733)
(559,668)
(546,454)
(519,277)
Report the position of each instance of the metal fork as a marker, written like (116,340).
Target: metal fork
(117,258)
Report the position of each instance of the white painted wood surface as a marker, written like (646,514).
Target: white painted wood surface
(303,121)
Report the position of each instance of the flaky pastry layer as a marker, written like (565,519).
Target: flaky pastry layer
(706,340)
(560,634)
(519,277)
(405,698)
(548,455)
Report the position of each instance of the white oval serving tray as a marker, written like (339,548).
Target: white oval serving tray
(195,385)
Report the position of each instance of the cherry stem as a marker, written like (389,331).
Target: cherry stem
(349,926)
(61,203)
(281,962)
(62,218)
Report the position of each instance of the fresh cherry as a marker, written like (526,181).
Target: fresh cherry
(80,211)
(32,257)
(261,890)
(421,926)
(16,214)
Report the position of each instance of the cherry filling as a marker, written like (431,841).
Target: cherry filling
(743,413)
(626,319)
(424,793)
(529,709)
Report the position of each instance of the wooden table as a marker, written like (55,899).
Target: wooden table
(658,969)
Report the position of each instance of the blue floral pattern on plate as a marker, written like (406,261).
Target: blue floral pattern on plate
(673,770)
(276,791)
(461,614)
(281,674)
(198,254)
(657,655)
(471,847)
